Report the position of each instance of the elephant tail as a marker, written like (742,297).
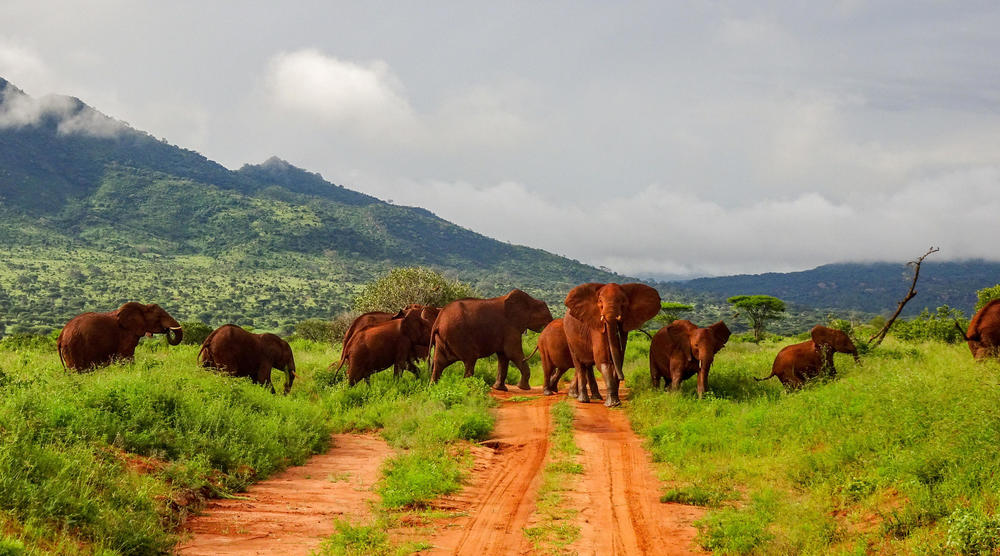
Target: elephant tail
(974,338)
(59,349)
(532,354)
(772,375)
(648,335)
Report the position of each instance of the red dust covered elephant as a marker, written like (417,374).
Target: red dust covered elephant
(983,334)
(800,362)
(97,339)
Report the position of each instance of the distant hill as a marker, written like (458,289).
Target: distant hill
(94,212)
(865,287)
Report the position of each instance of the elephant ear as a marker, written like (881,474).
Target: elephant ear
(823,336)
(429,313)
(679,333)
(131,317)
(517,308)
(721,333)
(411,326)
(582,304)
(643,304)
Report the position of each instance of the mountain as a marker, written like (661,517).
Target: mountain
(865,287)
(94,212)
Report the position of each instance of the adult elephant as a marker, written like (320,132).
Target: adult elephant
(96,339)
(557,359)
(388,344)
(428,313)
(680,350)
(469,329)
(983,335)
(597,324)
(236,352)
(800,362)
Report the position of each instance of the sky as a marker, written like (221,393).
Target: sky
(654,138)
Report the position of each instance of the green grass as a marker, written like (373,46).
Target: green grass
(115,459)
(878,457)
(555,528)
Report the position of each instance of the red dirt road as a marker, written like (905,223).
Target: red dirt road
(621,510)
(617,496)
(292,512)
(501,495)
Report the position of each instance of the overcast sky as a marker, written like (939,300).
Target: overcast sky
(660,137)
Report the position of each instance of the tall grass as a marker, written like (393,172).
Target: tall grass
(876,458)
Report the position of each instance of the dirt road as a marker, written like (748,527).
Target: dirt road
(621,511)
(501,495)
(617,496)
(292,512)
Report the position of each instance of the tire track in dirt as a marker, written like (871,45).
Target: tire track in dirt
(620,509)
(501,495)
(293,511)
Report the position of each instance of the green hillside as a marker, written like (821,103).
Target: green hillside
(94,213)
(863,287)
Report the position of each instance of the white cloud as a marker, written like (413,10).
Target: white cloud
(368,100)
(19,110)
(659,230)
(21,65)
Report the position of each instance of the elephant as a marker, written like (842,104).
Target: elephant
(597,324)
(390,343)
(427,312)
(96,339)
(681,350)
(797,363)
(469,329)
(983,334)
(556,360)
(237,352)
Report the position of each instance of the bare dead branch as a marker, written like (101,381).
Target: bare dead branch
(880,335)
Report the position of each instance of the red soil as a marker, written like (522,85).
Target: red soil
(292,512)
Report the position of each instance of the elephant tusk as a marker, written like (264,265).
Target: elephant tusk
(175,328)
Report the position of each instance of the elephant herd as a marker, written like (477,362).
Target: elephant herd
(593,333)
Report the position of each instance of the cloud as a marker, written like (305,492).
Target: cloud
(367,100)
(22,65)
(18,110)
(660,231)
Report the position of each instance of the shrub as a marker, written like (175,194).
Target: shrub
(195,332)
(403,286)
(939,326)
(317,330)
(986,295)
(972,532)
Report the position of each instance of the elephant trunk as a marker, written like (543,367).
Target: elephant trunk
(616,341)
(289,378)
(174,335)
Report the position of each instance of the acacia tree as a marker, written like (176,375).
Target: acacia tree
(415,284)
(759,310)
(671,310)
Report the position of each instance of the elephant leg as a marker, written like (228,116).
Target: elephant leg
(592,380)
(548,377)
(522,366)
(702,382)
(514,353)
(502,364)
(612,382)
(571,389)
(440,362)
(470,367)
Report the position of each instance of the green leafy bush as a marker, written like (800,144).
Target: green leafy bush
(973,532)
(195,332)
(986,295)
(316,330)
(403,286)
(939,326)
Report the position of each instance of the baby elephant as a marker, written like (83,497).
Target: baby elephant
(391,343)
(800,362)
(240,353)
(681,350)
(556,360)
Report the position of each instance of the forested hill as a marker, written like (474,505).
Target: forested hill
(94,212)
(866,287)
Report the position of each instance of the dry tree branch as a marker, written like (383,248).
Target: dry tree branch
(880,335)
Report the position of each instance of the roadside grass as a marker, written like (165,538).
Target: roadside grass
(113,460)
(895,456)
(555,529)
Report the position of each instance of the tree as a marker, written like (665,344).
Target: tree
(986,295)
(758,309)
(403,286)
(671,310)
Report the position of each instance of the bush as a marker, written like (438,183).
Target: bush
(317,330)
(939,326)
(195,332)
(403,286)
(986,295)
(972,532)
